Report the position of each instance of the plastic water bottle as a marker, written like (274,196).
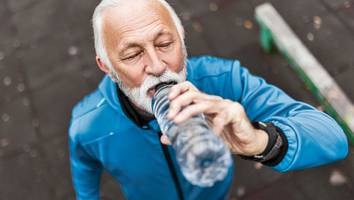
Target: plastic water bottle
(203,157)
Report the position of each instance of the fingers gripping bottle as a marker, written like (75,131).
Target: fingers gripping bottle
(203,157)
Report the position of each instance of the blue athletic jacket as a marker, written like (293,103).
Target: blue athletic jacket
(102,137)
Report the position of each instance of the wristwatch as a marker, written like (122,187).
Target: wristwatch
(275,143)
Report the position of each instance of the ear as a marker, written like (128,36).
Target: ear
(101,65)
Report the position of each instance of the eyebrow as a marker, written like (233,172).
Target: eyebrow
(127,45)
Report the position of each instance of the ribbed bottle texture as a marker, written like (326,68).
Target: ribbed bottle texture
(203,157)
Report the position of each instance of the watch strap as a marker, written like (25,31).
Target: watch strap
(275,142)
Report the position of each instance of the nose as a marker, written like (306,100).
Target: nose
(153,63)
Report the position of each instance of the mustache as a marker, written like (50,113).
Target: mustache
(167,76)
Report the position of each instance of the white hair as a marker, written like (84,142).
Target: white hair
(97,23)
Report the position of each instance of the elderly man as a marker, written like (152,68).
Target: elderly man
(139,44)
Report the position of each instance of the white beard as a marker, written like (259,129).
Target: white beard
(139,95)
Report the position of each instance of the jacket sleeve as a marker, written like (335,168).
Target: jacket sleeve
(85,170)
(314,138)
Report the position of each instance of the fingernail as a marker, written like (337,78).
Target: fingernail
(177,119)
(170,95)
(171,113)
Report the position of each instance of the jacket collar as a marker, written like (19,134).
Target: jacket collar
(121,104)
(108,89)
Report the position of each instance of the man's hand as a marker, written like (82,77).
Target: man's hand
(227,118)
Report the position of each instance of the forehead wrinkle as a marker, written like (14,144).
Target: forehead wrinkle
(115,30)
(127,31)
(119,23)
(127,43)
(132,13)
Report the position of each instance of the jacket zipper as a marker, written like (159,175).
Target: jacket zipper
(172,169)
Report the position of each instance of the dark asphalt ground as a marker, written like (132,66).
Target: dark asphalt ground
(47,64)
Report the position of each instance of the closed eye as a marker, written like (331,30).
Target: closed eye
(163,45)
(132,56)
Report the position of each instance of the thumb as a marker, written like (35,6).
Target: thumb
(164,140)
